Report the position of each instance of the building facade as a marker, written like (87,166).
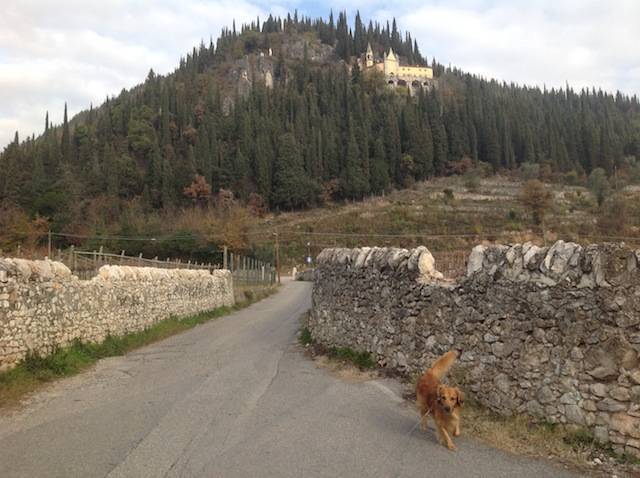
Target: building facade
(412,77)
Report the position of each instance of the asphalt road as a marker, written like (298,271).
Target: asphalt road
(235,398)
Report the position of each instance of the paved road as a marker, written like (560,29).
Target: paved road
(234,398)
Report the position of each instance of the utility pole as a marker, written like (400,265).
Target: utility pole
(277,255)
(49,244)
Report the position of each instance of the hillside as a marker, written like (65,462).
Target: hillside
(277,115)
(449,218)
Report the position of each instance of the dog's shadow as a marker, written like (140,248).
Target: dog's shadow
(404,426)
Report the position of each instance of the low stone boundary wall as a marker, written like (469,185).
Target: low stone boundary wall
(42,306)
(551,332)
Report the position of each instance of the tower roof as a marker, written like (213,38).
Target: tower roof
(391,56)
(369,50)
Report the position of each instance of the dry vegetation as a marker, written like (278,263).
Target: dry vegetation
(447,215)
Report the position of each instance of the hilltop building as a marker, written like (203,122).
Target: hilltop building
(412,77)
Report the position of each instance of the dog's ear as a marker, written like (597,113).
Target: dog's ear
(459,397)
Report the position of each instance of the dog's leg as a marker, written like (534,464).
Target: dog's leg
(424,420)
(456,429)
(445,438)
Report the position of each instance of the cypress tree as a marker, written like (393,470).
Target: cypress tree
(66,138)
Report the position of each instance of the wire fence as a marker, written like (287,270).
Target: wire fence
(86,264)
(244,270)
(450,250)
(452,264)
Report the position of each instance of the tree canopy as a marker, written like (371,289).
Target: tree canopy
(319,132)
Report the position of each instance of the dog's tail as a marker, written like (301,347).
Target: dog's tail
(443,364)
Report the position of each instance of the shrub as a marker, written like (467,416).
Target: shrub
(599,184)
(448,196)
(537,199)
(529,171)
(472,181)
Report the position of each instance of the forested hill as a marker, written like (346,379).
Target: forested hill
(321,131)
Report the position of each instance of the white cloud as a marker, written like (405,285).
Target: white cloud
(80,52)
(584,43)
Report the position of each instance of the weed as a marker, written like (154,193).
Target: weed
(448,195)
(362,360)
(580,438)
(305,337)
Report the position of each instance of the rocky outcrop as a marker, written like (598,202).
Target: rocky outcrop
(553,332)
(43,306)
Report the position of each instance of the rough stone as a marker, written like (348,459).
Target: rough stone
(545,395)
(574,414)
(601,434)
(476,258)
(599,389)
(549,331)
(610,405)
(621,394)
(44,306)
(626,425)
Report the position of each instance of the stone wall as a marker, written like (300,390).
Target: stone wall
(550,332)
(42,306)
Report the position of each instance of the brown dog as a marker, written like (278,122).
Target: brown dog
(440,401)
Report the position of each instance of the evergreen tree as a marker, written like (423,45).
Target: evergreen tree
(333,122)
(66,138)
(291,187)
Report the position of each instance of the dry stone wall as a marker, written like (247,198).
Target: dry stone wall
(550,332)
(42,306)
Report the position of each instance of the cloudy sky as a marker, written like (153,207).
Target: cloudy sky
(80,51)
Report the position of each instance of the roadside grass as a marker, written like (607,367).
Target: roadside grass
(362,360)
(346,355)
(521,435)
(36,370)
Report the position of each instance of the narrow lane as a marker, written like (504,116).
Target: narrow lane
(234,398)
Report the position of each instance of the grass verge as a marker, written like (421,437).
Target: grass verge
(36,370)
(362,360)
(521,435)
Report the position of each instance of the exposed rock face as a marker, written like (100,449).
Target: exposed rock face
(552,332)
(42,306)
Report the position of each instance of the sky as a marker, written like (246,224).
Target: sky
(81,51)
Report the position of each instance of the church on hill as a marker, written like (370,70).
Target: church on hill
(412,77)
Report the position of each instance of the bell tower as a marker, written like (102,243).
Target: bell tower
(369,56)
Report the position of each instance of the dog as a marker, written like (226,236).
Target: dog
(440,401)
